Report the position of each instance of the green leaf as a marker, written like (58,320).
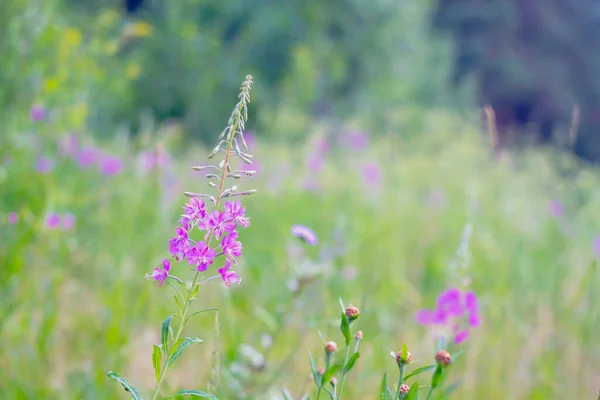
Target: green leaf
(134,393)
(342,305)
(351,362)
(194,291)
(180,346)
(419,370)
(165,333)
(315,372)
(404,353)
(384,391)
(413,393)
(436,379)
(178,303)
(197,393)
(329,373)
(156,359)
(345,328)
(199,312)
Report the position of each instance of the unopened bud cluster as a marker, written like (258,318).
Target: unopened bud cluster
(402,361)
(443,357)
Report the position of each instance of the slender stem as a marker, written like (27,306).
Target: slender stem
(339,394)
(429,393)
(188,301)
(402,366)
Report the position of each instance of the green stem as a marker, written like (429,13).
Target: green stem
(188,301)
(339,394)
(429,393)
(402,366)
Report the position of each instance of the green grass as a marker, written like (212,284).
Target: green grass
(76,305)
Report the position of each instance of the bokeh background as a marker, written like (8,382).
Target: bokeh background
(357,132)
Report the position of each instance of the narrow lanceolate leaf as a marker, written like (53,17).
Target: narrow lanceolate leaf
(329,373)
(436,379)
(345,328)
(195,393)
(180,346)
(200,312)
(178,303)
(134,393)
(315,372)
(384,391)
(156,360)
(413,393)
(419,370)
(164,335)
(351,362)
(330,393)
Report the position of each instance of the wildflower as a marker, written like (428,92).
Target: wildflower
(52,220)
(305,233)
(404,388)
(357,140)
(160,274)
(110,165)
(201,256)
(331,347)
(352,313)
(443,357)
(597,245)
(403,361)
(461,336)
(235,211)
(220,222)
(231,246)
(44,165)
(229,276)
(13,218)
(179,245)
(250,139)
(372,174)
(555,208)
(195,209)
(68,220)
(86,157)
(37,113)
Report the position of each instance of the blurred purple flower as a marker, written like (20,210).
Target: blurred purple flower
(452,304)
(555,208)
(68,221)
(357,140)
(250,138)
(87,156)
(372,174)
(315,162)
(13,218)
(44,165)
(110,165)
(305,233)
(255,166)
(52,220)
(160,274)
(68,145)
(597,245)
(37,113)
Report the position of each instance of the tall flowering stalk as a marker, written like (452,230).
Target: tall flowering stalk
(219,221)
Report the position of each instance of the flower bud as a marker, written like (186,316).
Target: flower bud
(333,381)
(321,371)
(358,335)
(352,313)
(404,388)
(330,347)
(443,357)
(400,361)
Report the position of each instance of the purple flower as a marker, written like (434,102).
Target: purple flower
(555,208)
(44,165)
(13,218)
(229,276)
(87,157)
(195,209)
(597,245)
(186,222)
(52,220)
(220,222)
(235,211)
(305,233)
(231,246)
(179,245)
(357,140)
(372,174)
(250,139)
(68,220)
(160,274)
(425,317)
(110,165)
(461,336)
(315,162)
(37,113)
(201,256)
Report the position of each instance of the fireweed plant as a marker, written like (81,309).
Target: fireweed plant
(219,237)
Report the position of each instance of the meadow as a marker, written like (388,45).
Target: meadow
(399,218)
